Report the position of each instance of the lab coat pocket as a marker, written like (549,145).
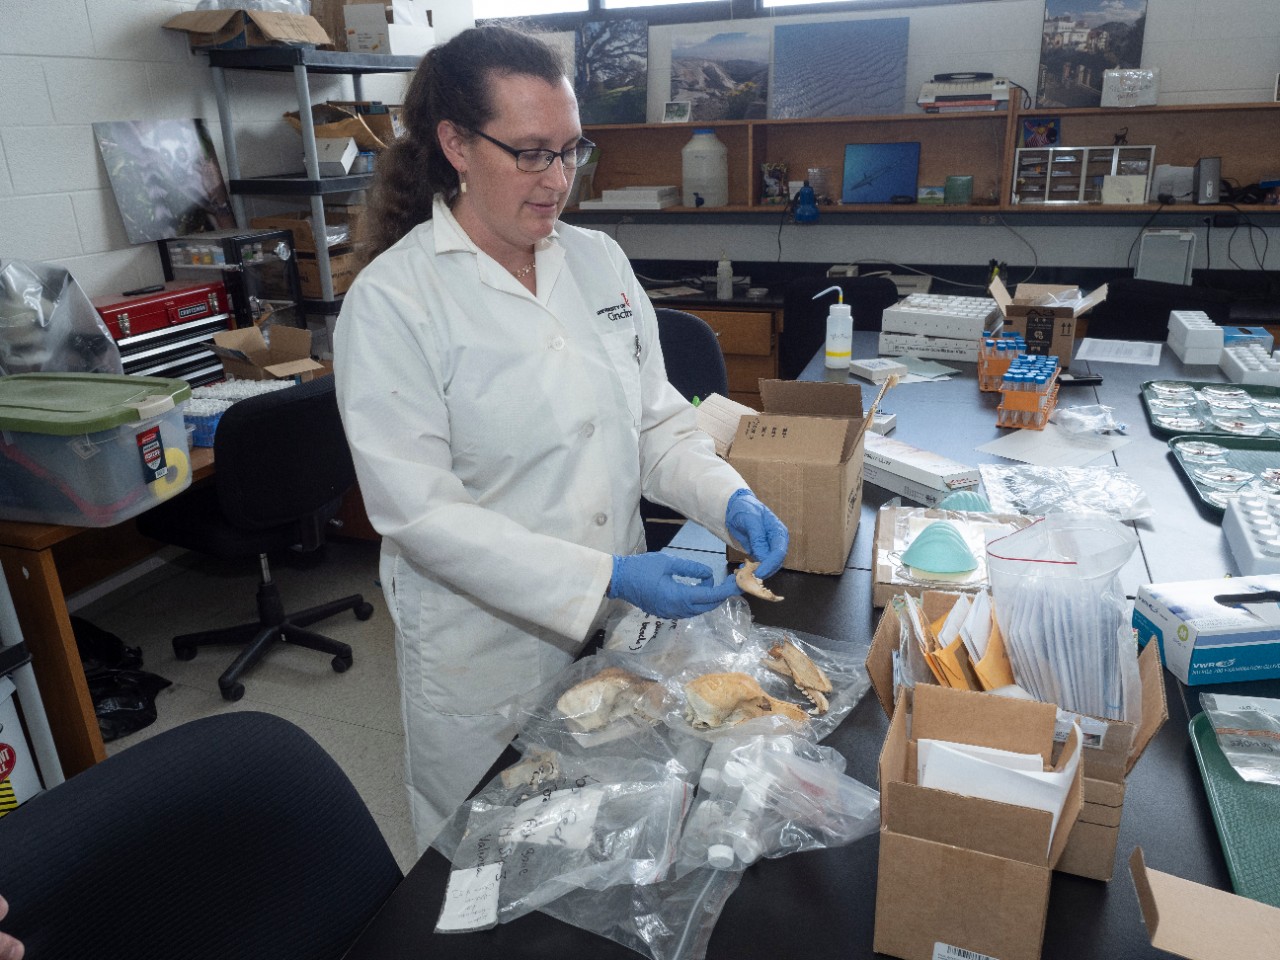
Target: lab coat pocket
(623,347)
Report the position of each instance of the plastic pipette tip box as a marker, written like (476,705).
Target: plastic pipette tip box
(877,369)
(1251,525)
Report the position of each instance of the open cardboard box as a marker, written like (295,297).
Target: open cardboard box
(962,871)
(1111,747)
(245,29)
(1199,922)
(1047,329)
(803,458)
(337,119)
(304,237)
(399,27)
(246,355)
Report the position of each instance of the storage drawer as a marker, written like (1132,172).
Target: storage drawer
(745,373)
(741,331)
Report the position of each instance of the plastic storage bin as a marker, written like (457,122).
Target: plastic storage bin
(89,449)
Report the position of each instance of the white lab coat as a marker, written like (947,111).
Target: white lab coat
(502,442)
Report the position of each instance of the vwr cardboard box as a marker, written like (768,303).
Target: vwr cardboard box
(243,29)
(1207,630)
(803,458)
(965,872)
(1199,922)
(1047,329)
(401,27)
(1111,747)
(246,355)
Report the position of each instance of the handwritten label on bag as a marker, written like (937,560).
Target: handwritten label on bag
(471,899)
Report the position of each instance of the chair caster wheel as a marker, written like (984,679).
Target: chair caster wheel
(341,664)
(185,651)
(233,692)
(364,611)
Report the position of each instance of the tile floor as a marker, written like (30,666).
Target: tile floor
(354,715)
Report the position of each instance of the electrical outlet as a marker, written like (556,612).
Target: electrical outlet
(986,220)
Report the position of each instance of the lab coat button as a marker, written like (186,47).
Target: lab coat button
(601,519)
(557,343)
(589,430)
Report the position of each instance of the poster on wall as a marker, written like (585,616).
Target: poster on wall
(839,68)
(165,177)
(611,71)
(723,74)
(1082,39)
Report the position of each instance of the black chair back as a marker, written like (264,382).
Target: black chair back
(282,456)
(695,363)
(1139,309)
(804,320)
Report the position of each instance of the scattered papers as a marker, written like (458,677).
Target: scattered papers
(1119,351)
(1053,446)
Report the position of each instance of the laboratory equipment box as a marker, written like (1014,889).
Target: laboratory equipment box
(1045,314)
(965,871)
(1210,631)
(1109,751)
(167,333)
(88,449)
(257,266)
(803,458)
(19,781)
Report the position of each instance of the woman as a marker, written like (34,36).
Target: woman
(505,398)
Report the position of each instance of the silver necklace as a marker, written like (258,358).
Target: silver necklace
(524,271)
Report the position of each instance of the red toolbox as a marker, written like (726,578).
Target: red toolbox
(166,333)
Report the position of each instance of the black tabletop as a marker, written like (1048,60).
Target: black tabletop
(822,903)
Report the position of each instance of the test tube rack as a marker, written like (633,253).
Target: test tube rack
(995,356)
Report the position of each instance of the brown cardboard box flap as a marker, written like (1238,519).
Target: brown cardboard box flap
(987,826)
(1155,704)
(1021,726)
(331,120)
(273,26)
(1025,296)
(812,399)
(795,439)
(1199,922)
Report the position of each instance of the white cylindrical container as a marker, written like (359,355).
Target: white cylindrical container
(705,162)
(839,349)
(724,279)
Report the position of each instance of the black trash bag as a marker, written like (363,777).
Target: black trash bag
(124,696)
(125,700)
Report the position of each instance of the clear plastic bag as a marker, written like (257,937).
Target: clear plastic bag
(1064,616)
(1248,731)
(1088,419)
(48,324)
(1038,491)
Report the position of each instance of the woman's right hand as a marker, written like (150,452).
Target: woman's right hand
(648,581)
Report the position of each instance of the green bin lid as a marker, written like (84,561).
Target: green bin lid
(67,404)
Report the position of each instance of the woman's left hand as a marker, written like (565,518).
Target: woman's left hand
(758,531)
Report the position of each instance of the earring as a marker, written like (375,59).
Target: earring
(462,185)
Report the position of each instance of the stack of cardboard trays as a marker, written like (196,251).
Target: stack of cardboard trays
(1111,747)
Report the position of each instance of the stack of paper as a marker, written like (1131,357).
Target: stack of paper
(635,198)
(963,650)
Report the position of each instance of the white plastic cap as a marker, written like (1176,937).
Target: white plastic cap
(842,310)
(710,779)
(720,856)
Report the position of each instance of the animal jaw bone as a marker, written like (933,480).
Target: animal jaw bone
(748,582)
(789,660)
(723,699)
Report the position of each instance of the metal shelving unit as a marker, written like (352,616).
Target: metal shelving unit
(301,62)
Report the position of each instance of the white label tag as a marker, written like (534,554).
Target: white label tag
(946,951)
(471,900)
(1093,732)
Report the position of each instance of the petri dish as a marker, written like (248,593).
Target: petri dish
(1202,451)
(1223,478)
(1245,428)
(1183,423)
(1216,391)
(1171,388)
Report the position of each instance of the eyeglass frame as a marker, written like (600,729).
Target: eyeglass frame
(575,151)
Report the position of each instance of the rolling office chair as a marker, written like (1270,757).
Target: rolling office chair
(804,320)
(695,367)
(281,468)
(234,835)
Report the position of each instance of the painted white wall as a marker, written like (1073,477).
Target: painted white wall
(65,64)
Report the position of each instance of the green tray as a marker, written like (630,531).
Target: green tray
(1254,454)
(1201,409)
(1247,816)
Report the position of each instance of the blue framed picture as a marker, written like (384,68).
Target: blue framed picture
(878,172)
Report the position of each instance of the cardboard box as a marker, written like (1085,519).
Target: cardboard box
(343,268)
(244,29)
(401,27)
(246,354)
(969,873)
(928,478)
(384,120)
(803,457)
(1047,329)
(333,120)
(896,527)
(1204,640)
(335,155)
(1199,922)
(339,224)
(1111,747)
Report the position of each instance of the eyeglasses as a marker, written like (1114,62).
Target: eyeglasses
(536,161)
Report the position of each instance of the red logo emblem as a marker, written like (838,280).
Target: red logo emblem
(625,300)
(8,760)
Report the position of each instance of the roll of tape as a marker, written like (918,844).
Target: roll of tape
(176,477)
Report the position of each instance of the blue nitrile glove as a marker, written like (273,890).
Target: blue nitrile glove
(647,581)
(758,532)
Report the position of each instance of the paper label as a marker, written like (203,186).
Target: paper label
(946,951)
(1093,732)
(471,899)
